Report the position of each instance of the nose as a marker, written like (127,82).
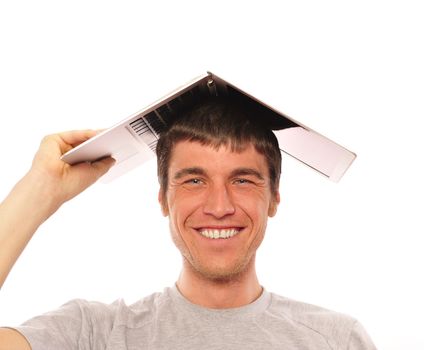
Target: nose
(218,202)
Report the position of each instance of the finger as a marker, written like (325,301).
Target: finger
(76,137)
(52,146)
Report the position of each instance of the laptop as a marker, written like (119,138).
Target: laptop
(133,140)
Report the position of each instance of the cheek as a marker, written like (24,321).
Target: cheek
(256,207)
(181,206)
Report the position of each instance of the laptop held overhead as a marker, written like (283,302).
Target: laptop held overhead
(133,140)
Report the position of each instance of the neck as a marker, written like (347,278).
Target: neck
(219,293)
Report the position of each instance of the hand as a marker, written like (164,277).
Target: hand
(61,180)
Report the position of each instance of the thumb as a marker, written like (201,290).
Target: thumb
(82,175)
(102,166)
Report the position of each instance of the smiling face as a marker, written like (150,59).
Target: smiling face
(218,202)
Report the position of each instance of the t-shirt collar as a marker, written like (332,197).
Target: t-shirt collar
(256,307)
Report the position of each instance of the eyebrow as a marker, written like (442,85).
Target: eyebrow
(189,171)
(247,171)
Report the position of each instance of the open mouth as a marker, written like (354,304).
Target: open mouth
(219,233)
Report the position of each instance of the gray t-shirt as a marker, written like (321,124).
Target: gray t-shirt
(168,321)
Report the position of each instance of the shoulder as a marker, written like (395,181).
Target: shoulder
(95,313)
(132,315)
(80,322)
(308,314)
(336,329)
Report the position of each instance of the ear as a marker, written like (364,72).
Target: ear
(162,202)
(273,206)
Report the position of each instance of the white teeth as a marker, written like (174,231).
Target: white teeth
(215,234)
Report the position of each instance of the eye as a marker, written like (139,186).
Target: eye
(242,181)
(194,181)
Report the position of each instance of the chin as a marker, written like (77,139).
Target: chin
(223,274)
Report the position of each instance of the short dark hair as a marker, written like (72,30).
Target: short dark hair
(220,122)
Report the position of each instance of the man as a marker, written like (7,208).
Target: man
(219,169)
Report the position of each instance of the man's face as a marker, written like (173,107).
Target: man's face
(218,202)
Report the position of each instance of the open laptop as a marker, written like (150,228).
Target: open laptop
(133,140)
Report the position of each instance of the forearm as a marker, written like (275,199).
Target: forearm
(26,207)
(48,184)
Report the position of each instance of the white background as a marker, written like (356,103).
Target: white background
(370,75)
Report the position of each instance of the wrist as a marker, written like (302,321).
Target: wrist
(39,194)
